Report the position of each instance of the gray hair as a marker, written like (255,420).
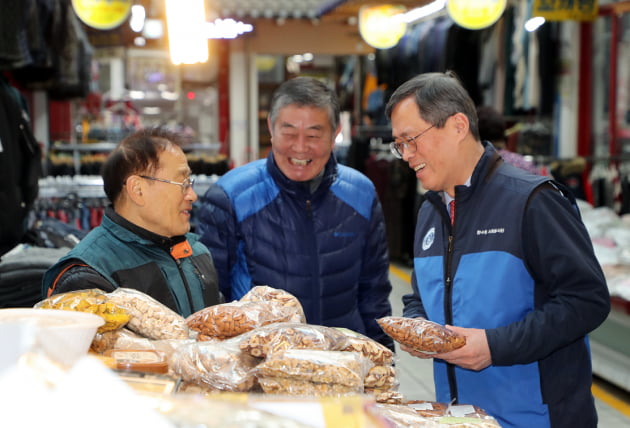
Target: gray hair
(306,92)
(438,97)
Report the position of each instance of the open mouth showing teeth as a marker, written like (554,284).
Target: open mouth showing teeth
(419,167)
(300,162)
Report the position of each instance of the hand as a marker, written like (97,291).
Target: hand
(475,355)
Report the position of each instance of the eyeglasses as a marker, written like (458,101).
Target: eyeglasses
(409,145)
(185,185)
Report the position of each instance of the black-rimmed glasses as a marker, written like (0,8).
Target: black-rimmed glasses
(398,148)
(185,185)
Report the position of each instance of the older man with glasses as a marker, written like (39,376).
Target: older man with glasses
(513,270)
(144,241)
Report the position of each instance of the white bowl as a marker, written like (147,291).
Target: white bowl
(64,336)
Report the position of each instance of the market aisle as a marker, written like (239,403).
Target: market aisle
(416,375)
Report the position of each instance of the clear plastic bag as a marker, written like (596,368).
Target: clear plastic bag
(94,301)
(370,348)
(421,334)
(218,366)
(149,317)
(277,337)
(265,293)
(320,367)
(231,319)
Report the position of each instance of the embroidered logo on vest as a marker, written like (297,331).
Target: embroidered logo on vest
(428,239)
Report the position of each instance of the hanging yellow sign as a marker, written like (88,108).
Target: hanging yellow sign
(562,10)
(102,14)
(475,15)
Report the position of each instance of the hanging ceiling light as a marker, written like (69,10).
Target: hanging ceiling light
(102,14)
(185,20)
(475,15)
(382,26)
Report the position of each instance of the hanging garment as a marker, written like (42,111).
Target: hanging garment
(20,167)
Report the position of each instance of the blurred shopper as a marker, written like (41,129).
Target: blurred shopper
(513,270)
(492,128)
(144,241)
(301,222)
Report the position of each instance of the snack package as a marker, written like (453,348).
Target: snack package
(94,301)
(126,339)
(404,417)
(422,335)
(264,293)
(453,415)
(215,365)
(149,317)
(387,396)
(231,319)
(370,348)
(277,337)
(122,338)
(319,367)
(381,377)
(280,385)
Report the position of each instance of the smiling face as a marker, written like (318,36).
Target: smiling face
(302,141)
(166,210)
(436,150)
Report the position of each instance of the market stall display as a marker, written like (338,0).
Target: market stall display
(259,346)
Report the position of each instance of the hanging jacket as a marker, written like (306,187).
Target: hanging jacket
(177,272)
(519,263)
(328,248)
(20,167)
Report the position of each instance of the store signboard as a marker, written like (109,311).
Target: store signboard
(565,10)
(102,14)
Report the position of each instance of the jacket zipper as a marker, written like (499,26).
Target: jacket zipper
(186,286)
(315,289)
(448,309)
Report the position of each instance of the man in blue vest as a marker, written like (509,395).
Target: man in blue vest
(513,271)
(144,241)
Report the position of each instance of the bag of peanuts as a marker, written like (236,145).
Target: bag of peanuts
(421,334)
(313,372)
(276,337)
(264,293)
(231,319)
(218,366)
(150,318)
(94,301)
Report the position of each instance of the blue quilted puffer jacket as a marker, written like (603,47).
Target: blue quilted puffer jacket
(327,248)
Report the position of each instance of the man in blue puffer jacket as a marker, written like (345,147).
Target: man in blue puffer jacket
(299,221)
(513,269)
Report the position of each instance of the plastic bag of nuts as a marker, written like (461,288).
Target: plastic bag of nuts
(149,317)
(381,377)
(421,334)
(370,348)
(231,319)
(329,367)
(385,395)
(277,337)
(122,338)
(265,293)
(219,366)
(94,301)
(279,385)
